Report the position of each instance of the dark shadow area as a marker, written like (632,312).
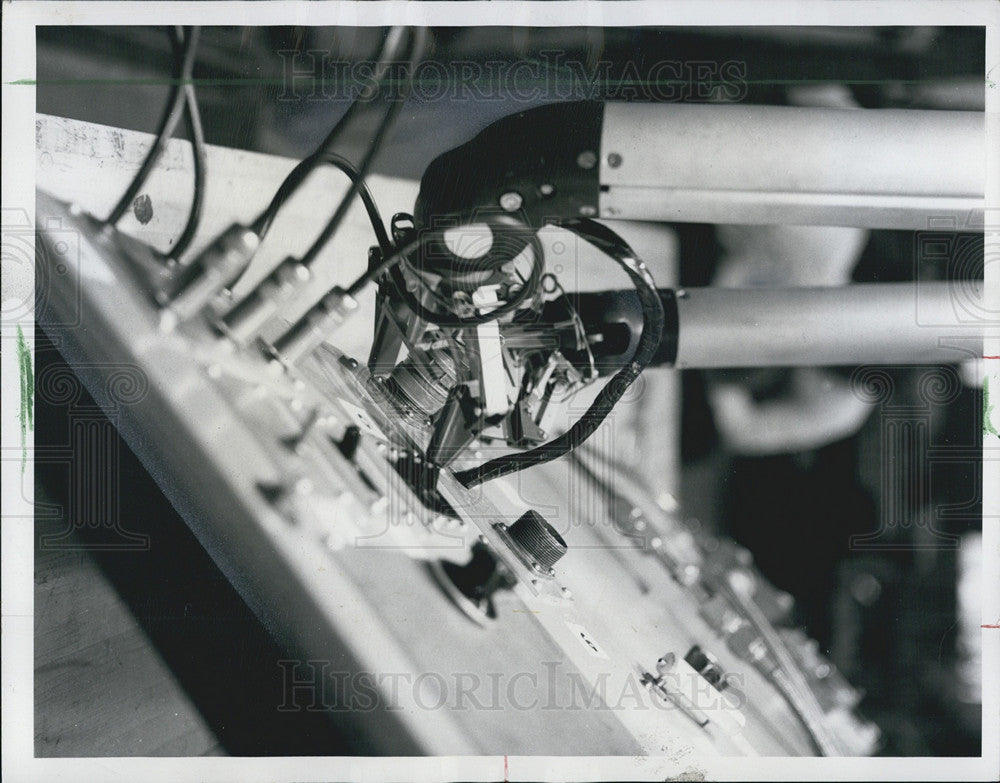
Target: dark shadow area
(217,649)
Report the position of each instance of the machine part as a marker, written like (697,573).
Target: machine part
(533,154)
(505,176)
(472,586)
(214,269)
(420,383)
(536,542)
(239,456)
(613,324)
(611,244)
(485,346)
(793,327)
(707,666)
(717,164)
(253,312)
(828,326)
(313,328)
(739,164)
(429,265)
(661,685)
(455,427)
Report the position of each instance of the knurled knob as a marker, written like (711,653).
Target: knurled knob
(538,539)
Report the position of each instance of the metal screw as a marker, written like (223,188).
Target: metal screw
(614,160)
(586,159)
(546,189)
(588,211)
(511,201)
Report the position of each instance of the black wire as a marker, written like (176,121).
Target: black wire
(396,42)
(652,328)
(378,225)
(290,184)
(168,123)
(197,134)
(416,49)
(375,272)
(397,281)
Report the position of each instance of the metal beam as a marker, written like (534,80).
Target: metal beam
(743,164)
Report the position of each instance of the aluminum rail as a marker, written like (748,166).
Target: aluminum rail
(876,323)
(745,164)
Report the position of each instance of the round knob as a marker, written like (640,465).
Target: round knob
(537,539)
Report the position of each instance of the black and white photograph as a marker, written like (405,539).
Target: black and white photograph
(501,391)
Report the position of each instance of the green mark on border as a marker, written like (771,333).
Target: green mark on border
(988,426)
(27,393)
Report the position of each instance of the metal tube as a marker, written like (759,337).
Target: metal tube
(744,164)
(878,323)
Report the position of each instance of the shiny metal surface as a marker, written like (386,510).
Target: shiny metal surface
(878,323)
(741,164)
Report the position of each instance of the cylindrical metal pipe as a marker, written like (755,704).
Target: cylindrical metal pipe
(745,164)
(877,323)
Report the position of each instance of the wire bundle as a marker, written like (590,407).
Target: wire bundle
(184,42)
(401,44)
(652,328)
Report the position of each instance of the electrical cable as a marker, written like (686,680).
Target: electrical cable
(652,327)
(417,45)
(197,134)
(398,283)
(168,123)
(396,42)
(371,207)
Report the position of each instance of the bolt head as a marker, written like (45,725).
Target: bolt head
(511,201)
(587,210)
(586,159)
(614,160)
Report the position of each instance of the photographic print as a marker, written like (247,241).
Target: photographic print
(499,391)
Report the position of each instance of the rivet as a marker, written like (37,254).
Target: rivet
(586,159)
(511,201)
